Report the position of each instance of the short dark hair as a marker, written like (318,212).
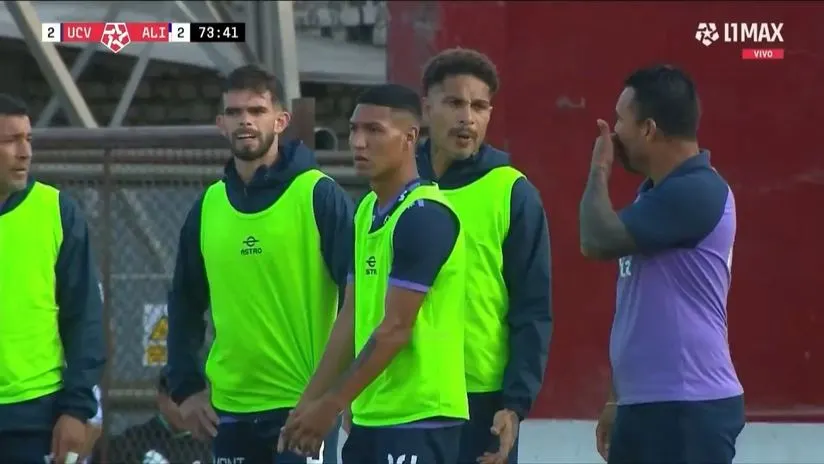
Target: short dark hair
(666,95)
(460,62)
(395,96)
(254,78)
(12,106)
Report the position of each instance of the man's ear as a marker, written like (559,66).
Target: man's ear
(650,129)
(220,126)
(412,135)
(282,122)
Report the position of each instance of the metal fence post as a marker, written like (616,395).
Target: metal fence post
(106,272)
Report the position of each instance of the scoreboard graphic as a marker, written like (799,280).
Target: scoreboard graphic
(117,36)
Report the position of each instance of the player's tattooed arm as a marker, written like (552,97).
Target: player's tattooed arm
(603,235)
(388,339)
(423,240)
(362,359)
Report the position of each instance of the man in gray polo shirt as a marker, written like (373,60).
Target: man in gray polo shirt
(675,396)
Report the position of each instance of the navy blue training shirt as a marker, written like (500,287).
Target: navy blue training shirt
(80,323)
(189,296)
(679,212)
(669,338)
(526,273)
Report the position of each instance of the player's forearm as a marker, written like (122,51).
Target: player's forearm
(187,303)
(381,348)
(530,329)
(80,317)
(602,234)
(339,354)
(524,373)
(84,348)
(187,333)
(527,274)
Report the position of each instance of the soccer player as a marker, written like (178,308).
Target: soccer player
(508,316)
(267,249)
(52,348)
(675,396)
(404,307)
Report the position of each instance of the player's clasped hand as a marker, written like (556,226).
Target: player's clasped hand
(68,440)
(505,426)
(603,153)
(307,426)
(199,417)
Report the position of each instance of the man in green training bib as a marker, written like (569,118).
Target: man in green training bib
(267,248)
(508,318)
(404,308)
(52,347)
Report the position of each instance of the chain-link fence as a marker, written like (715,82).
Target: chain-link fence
(136,186)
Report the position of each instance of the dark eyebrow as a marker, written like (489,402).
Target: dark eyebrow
(453,98)
(371,124)
(247,108)
(15,135)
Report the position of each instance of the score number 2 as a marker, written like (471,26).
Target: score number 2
(50,32)
(181,32)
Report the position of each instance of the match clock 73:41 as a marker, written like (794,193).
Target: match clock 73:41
(218,32)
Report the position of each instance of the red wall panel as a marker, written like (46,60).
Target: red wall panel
(761,119)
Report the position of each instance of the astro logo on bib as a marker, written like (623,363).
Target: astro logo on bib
(250,246)
(371,262)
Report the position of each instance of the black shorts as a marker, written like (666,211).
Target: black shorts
(678,432)
(25,447)
(254,438)
(402,445)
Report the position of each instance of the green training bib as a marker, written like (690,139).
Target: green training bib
(273,299)
(426,379)
(484,210)
(31,353)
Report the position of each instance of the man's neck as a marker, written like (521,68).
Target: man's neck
(678,152)
(441,160)
(388,189)
(246,169)
(3,198)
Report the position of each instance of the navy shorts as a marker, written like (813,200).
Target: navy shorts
(402,445)
(476,439)
(25,447)
(678,432)
(254,438)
